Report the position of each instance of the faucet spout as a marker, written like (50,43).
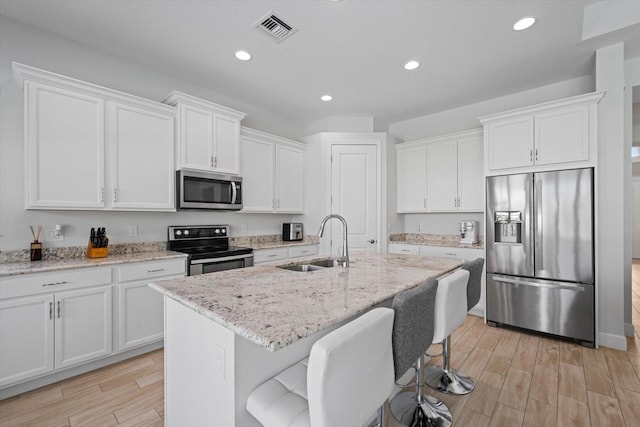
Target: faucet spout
(345,249)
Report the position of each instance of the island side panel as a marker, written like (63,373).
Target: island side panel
(199,369)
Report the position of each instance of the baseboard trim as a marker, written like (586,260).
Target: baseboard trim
(617,342)
(629,330)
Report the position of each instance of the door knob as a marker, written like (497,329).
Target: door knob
(371,241)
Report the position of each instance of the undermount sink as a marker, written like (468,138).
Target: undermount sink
(309,266)
(305,268)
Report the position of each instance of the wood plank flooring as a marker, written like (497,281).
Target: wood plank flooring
(521,380)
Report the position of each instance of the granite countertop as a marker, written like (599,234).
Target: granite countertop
(448,240)
(274,308)
(25,267)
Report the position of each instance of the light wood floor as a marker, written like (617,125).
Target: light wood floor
(521,380)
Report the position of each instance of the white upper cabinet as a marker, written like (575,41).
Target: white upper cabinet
(442,174)
(272,171)
(141,157)
(208,135)
(554,135)
(89,147)
(412,178)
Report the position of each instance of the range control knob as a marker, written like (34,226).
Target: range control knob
(217,231)
(186,232)
(178,232)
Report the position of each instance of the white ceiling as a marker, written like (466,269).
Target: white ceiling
(352,49)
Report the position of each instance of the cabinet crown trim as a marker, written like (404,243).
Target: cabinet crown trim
(478,132)
(589,98)
(177,97)
(264,136)
(23,72)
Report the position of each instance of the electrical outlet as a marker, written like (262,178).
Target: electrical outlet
(50,235)
(218,361)
(133,231)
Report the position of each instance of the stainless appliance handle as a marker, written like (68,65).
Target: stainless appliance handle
(538,260)
(234,192)
(546,284)
(221,259)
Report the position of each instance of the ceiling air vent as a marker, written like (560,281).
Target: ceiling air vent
(275,27)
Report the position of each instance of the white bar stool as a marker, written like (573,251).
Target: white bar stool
(346,378)
(450,312)
(412,335)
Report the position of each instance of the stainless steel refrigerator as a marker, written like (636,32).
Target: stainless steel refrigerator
(540,253)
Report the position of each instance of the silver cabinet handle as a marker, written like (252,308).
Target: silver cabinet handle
(272,256)
(211,161)
(50,311)
(102,194)
(536,154)
(450,254)
(531,156)
(55,284)
(157,270)
(372,241)
(58,309)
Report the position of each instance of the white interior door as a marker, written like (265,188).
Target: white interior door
(355,191)
(636,219)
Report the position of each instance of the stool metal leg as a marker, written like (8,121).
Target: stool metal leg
(418,410)
(445,379)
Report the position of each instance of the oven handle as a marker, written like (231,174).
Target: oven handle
(226,258)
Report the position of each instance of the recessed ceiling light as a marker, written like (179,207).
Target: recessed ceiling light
(326,98)
(242,55)
(524,23)
(411,65)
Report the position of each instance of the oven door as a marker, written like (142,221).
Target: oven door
(204,266)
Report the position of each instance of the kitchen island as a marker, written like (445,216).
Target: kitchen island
(227,332)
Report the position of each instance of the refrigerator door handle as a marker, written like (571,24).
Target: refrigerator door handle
(538,259)
(545,284)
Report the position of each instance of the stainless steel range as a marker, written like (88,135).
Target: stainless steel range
(208,248)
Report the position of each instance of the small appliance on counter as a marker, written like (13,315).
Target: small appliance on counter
(469,232)
(292,231)
(98,243)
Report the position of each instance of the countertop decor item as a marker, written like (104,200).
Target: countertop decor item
(36,246)
(98,243)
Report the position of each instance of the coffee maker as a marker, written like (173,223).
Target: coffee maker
(469,232)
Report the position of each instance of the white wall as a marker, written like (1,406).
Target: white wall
(37,48)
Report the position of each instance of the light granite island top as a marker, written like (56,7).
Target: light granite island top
(227,332)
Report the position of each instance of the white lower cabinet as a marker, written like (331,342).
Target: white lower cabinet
(53,321)
(140,318)
(400,248)
(271,255)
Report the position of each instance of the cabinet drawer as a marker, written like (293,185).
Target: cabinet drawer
(300,251)
(398,248)
(449,252)
(31,284)
(150,270)
(269,255)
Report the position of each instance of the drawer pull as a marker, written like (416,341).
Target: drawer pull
(451,254)
(272,256)
(405,250)
(55,284)
(157,270)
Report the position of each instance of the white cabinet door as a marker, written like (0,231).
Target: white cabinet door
(412,179)
(226,145)
(82,325)
(195,138)
(442,176)
(140,315)
(65,148)
(257,158)
(26,338)
(562,135)
(510,143)
(289,178)
(141,156)
(470,174)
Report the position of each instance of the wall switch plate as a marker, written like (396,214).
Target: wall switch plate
(133,230)
(50,235)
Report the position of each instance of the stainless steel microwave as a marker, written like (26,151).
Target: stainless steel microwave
(208,190)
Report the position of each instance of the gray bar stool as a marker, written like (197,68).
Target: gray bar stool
(450,312)
(412,335)
(474,288)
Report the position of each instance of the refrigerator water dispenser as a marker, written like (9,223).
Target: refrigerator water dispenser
(508,227)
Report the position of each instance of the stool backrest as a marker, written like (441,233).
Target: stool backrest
(350,371)
(451,304)
(412,325)
(474,288)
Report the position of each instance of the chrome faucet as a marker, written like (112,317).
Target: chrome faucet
(344,259)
